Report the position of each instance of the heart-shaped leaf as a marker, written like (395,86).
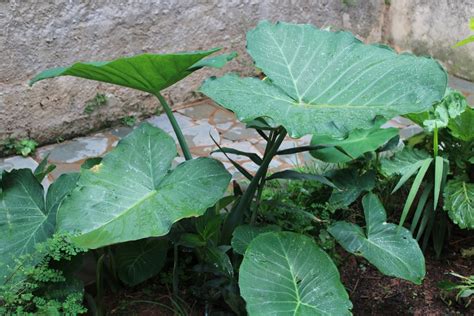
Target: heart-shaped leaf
(132,194)
(147,72)
(328,83)
(285,273)
(349,185)
(26,218)
(390,248)
(244,234)
(141,259)
(459,202)
(357,143)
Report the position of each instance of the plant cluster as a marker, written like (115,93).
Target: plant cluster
(24,147)
(258,254)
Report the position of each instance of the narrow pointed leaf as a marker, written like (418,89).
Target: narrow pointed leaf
(284,273)
(26,219)
(315,77)
(421,206)
(414,189)
(252,156)
(132,194)
(405,163)
(394,252)
(147,72)
(295,175)
(459,202)
(438,177)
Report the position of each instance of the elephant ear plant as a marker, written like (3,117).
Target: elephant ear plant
(328,84)
(321,83)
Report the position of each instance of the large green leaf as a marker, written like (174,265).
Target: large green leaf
(462,127)
(285,273)
(357,143)
(459,202)
(244,234)
(141,259)
(390,248)
(132,194)
(26,219)
(147,72)
(350,185)
(322,82)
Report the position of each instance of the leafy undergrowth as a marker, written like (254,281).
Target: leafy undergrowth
(371,292)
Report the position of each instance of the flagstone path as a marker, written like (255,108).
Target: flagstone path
(201,122)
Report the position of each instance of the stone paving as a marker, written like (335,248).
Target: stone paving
(199,121)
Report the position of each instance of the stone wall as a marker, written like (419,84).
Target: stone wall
(36,35)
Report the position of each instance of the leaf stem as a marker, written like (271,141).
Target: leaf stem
(435,141)
(175,271)
(177,130)
(236,217)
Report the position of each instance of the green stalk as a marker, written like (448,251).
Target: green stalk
(175,272)
(236,216)
(177,130)
(435,141)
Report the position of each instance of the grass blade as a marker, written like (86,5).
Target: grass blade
(414,189)
(438,176)
(295,175)
(408,174)
(252,156)
(420,206)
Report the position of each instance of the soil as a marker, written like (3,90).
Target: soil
(370,292)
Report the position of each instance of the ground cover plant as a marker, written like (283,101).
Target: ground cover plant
(136,216)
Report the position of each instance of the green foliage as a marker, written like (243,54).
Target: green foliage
(140,260)
(316,77)
(318,82)
(129,121)
(390,248)
(286,273)
(468,39)
(464,288)
(357,143)
(132,194)
(94,104)
(24,147)
(137,72)
(26,216)
(298,206)
(459,202)
(44,289)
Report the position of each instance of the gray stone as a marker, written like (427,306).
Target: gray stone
(239,132)
(199,111)
(200,135)
(17,162)
(121,131)
(75,150)
(163,122)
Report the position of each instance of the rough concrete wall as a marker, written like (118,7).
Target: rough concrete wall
(36,35)
(431,27)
